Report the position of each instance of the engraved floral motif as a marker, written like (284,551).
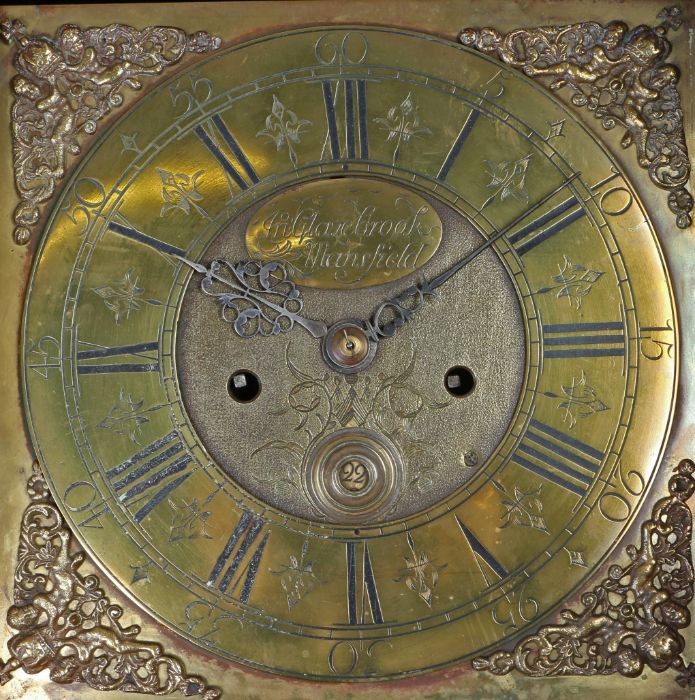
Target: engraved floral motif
(522,508)
(507,179)
(179,192)
(633,617)
(190,520)
(573,281)
(421,573)
(619,74)
(66,624)
(123,295)
(297,578)
(388,404)
(402,124)
(283,127)
(578,400)
(127,416)
(68,83)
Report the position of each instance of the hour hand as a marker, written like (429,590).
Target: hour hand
(257,298)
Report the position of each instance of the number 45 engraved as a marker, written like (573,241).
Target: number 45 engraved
(657,341)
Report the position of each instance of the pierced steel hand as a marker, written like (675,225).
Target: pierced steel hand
(402,308)
(259,299)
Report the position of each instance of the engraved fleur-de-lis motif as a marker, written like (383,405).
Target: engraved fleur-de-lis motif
(283,127)
(127,416)
(507,179)
(180,193)
(522,508)
(297,578)
(578,400)
(122,296)
(573,281)
(190,520)
(402,124)
(421,573)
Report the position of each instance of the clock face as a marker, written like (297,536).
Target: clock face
(378,501)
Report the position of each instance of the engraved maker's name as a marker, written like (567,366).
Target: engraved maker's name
(348,232)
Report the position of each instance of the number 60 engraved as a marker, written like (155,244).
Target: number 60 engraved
(351,49)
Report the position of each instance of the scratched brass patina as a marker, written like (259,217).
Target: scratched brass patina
(502,501)
(346,232)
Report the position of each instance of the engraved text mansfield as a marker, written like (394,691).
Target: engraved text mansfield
(350,232)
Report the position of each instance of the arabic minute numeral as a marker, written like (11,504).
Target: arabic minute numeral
(656,341)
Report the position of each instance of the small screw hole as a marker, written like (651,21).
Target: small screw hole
(244,386)
(459,381)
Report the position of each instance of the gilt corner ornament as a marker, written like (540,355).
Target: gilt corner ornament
(66,623)
(621,75)
(632,618)
(66,84)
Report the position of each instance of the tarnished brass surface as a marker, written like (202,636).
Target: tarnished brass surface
(632,618)
(66,623)
(445,20)
(67,84)
(620,74)
(348,233)
(126,365)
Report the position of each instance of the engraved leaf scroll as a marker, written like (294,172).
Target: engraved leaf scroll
(619,74)
(66,84)
(65,622)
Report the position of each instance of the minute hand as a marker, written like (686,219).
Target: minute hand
(416,294)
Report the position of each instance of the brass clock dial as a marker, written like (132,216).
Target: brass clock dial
(487,455)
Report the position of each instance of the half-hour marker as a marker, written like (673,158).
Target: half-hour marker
(145,475)
(237,566)
(223,159)
(605,339)
(91,361)
(558,457)
(135,235)
(547,225)
(484,559)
